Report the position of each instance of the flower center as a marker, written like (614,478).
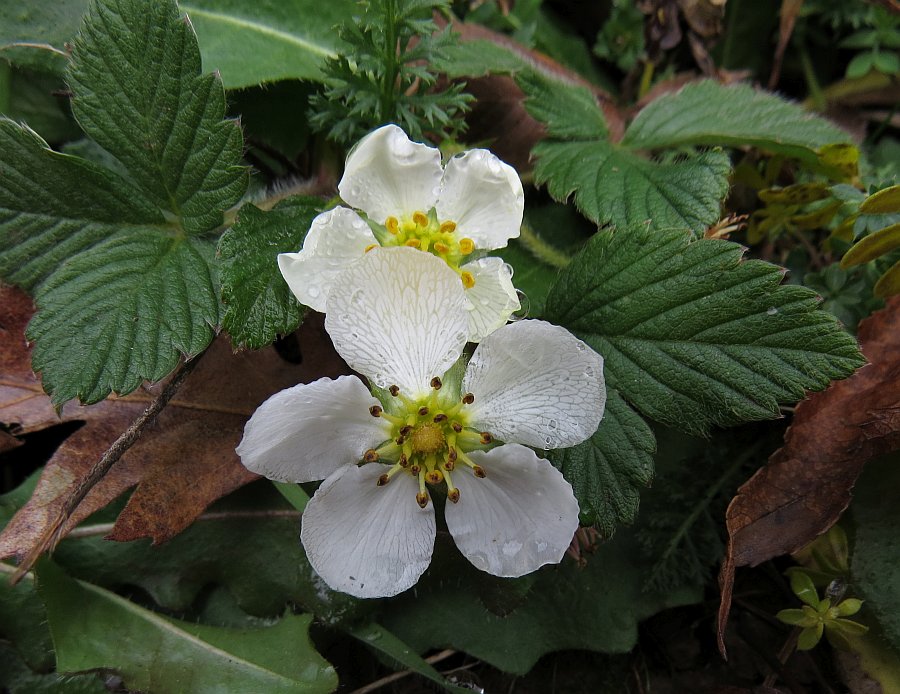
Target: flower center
(428,438)
(425,232)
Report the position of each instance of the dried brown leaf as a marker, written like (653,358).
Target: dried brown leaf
(807,483)
(183,462)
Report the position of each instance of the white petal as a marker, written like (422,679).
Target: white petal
(336,238)
(484,196)
(493,298)
(521,516)
(536,383)
(307,432)
(398,316)
(387,174)
(366,540)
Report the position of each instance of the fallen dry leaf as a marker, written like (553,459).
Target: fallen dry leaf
(807,483)
(183,462)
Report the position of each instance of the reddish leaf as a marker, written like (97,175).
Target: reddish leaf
(183,462)
(807,483)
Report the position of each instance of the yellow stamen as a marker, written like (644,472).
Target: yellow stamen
(420,218)
(448,227)
(370,247)
(370,456)
(392,224)
(441,248)
(414,243)
(468,279)
(434,476)
(466,246)
(452,492)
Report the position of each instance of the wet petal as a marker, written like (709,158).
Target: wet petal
(484,196)
(387,174)
(336,238)
(366,540)
(521,516)
(536,383)
(398,316)
(493,299)
(307,432)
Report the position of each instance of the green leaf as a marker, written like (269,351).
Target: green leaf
(570,112)
(123,284)
(34,34)
(606,470)
(259,305)
(477,59)
(23,620)
(249,43)
(19,678)
(708,113)
(612,185)
(94,628)
(35,99)
(123,313)
(53,206)
(596,607)
(693,336)
(872,246)
(804,589)
(377,637)
(139,93)
(885,201)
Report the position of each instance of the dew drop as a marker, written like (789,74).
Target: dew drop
(485,301)
(553,424)
(356,298)
(580,346)
(510,269)
(313,291)
(772,311)
(548,442)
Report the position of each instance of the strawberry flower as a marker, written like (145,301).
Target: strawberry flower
(403,197)
(431,423)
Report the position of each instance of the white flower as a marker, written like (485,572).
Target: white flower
(433,423)
(473,205)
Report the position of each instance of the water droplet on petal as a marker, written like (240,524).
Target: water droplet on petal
(313,291)
(580,346)
(772,311)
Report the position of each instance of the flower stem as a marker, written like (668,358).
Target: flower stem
(542,250)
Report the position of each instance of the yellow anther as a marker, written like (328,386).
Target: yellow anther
(434,476)
(370,247)
(466,246)
(453,495)
(479,471)
(448,227)
(370,456)
(422,499)
(420,218)
(392,224)
(414,243)
(486,437)
(441,248)
(467,279)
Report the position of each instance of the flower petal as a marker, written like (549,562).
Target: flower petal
(366,540)
(307,432)
(398,316)
(493,298)
(388,174)
(336,238)
(536,383)
(484,196)
(521,516)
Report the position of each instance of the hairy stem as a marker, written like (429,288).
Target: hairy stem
(542,250)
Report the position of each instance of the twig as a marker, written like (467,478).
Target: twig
(393,677)
(54,532)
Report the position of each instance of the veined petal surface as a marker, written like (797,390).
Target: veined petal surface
(484,196)
(387,174)
(366,540)
(493,299)
(398,316)
(336,239)
(521,516)
(536,383)
(307,432)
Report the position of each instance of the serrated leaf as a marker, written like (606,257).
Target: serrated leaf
(606,470)
(124,312)
(613,185)
(250,43)
(569,112)
(34,35)
(259,305)
(94,628)
(477,59)
(708,113)
(691,334)
(54,206)
(139,93)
